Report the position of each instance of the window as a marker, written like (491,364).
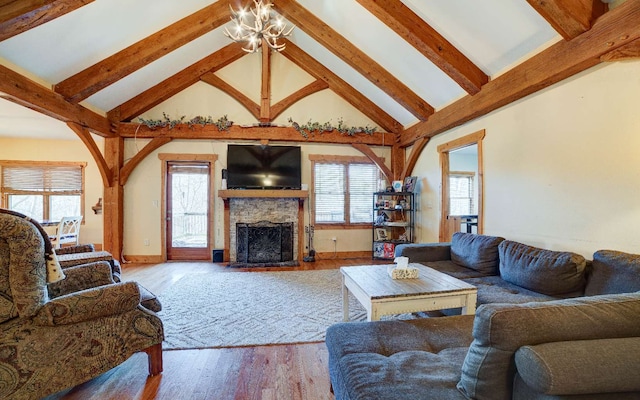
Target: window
(43,191)
(342,190)
(461,193)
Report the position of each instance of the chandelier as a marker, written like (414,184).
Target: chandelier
(256,26)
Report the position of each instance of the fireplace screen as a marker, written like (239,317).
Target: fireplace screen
(264,242)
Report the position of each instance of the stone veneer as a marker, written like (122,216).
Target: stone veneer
(251,210)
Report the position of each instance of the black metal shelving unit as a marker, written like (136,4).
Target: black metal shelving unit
(393,222)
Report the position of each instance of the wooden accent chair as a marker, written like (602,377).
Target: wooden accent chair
(67,232)
(56,335)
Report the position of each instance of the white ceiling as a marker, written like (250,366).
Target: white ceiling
(495,34)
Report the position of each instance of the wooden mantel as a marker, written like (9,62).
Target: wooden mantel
(226,195)
(274,194)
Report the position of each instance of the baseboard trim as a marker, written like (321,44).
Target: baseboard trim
(138,259)
(142,259)
(343,255)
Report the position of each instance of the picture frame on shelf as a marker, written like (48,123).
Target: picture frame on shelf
(397,186)
(389,250)
(410,183)
(382,234)
(378,250)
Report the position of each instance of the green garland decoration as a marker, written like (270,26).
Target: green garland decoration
(312,128)
(223,123)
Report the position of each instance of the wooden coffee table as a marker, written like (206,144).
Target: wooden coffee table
(381,295)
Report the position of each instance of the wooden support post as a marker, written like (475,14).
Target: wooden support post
(113,207)
(265,92)
(227,226)
(300,229)
(397,161)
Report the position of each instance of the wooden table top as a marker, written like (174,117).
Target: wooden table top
(376,282)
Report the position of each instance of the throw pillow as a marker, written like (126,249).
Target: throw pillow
(554,273)
(478,252)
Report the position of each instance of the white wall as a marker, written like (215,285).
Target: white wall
(143,189)
(142,218)
(561,167)
(64,150)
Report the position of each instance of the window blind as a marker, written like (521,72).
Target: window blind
(329,190)
(336,183)
(188,168)
(461,194)
(363,182)
(44,178)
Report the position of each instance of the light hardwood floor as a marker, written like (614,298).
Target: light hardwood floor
(283,372)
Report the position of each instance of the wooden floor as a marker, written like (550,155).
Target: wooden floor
(283,372)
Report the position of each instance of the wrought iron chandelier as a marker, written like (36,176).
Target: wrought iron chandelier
(265,27)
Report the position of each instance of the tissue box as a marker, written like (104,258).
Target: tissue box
(402,273)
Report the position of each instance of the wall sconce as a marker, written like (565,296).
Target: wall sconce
(97,209)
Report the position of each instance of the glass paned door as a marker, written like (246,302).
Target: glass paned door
(188,211)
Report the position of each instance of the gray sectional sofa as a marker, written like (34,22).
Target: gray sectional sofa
(505,271)
(549,325)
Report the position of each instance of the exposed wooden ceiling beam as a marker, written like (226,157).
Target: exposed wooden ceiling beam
(356,58)
(20,16)
(90,80)
(429,42)
(296,96)
(614,29)
(626,52)
(570,18)
(176,83)
(341,88)
(21,90)
(149,148)
(215,81)
(84,135)
(416,149)
(378,161)
(236,132)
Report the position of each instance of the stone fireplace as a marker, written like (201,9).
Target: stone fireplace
(253,217)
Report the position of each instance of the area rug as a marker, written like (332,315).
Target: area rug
(253,308)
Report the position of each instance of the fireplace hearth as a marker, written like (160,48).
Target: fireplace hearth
(264,244)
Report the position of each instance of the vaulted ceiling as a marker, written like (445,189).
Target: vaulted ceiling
(415,67)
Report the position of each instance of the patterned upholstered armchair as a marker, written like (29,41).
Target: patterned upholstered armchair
(57,335)
(85,253)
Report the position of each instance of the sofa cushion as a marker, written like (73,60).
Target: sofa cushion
(453,269)
(554,273)
(424,252)
(478,252)
(581,366)
(613,272)
(414,359)
(494,289)
(499,330)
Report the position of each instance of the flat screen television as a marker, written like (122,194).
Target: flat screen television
(263,167)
